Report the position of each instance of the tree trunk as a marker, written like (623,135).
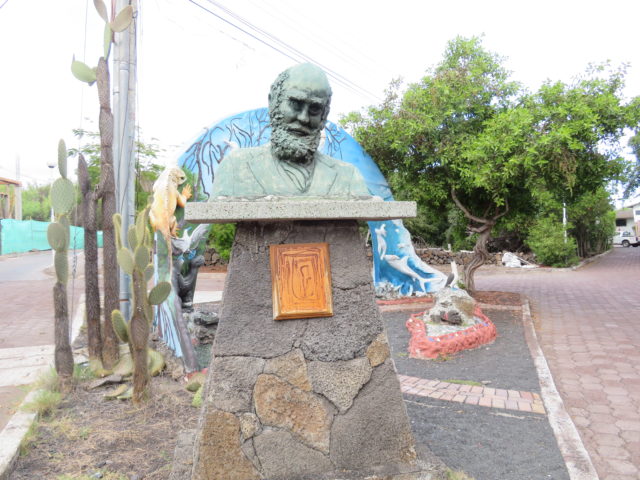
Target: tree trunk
(91,287)
(63,358)
(110,351)
(139,333)
(481,254)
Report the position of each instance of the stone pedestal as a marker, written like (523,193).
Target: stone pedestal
(303,399)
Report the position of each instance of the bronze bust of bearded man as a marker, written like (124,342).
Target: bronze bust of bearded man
(290,165)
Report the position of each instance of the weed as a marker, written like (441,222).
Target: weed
(44,403)
(106,475)
(197,398)
(28,439)
(443,357)
(47,380)
(84,433)
(465,382)
(457,475)
(82,372)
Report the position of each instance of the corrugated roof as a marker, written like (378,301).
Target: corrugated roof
(624,213)
(8,181)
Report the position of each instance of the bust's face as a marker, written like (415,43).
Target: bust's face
(302,109)
(298,107)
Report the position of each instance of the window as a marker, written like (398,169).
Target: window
(621,222)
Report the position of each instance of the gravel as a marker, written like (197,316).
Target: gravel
(486,443)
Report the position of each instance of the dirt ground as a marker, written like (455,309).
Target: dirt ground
(90,437)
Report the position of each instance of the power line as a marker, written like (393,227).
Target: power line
(332,73)
(345,81)
(293,54)
(4,3)
(321,41)
(242,30)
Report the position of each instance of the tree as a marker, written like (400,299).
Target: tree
(35,203)
(146,153)
(452,137)
(467,134)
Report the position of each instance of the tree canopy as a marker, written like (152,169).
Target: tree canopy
(467,133)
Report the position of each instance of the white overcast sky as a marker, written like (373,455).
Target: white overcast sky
(194,68)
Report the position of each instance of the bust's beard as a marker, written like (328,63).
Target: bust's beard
(292,148)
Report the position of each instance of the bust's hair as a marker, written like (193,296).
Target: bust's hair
(277,89)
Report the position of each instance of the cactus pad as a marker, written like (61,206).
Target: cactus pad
(117,226)
(57,236)
(148,272)
(120,326)
(132,237)
(159,293)
(108,34)
(62,195)
(125,260)
(142,257)
(61,266)
(124,367)
(62,158)
(141,225)
(155,361)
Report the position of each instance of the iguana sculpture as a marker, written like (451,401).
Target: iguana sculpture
(165,199)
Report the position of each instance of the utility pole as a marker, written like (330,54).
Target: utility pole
(18,192)
(124,102)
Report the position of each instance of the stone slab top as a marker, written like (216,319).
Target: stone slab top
(271,208)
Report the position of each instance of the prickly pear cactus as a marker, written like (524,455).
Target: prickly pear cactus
(135,260)
(62,200)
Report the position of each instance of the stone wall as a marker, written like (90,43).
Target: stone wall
(440,256)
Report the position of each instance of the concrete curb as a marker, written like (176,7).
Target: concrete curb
(12,436)
(575,455)
(16,429)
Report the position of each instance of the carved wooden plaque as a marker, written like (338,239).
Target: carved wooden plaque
(301,280)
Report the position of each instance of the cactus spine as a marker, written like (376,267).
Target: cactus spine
(135,260)
(62,197)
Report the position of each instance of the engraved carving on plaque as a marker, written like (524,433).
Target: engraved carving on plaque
(301,280)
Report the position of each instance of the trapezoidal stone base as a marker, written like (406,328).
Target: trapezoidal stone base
(303,399)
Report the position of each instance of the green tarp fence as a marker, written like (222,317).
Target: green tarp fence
(18,236)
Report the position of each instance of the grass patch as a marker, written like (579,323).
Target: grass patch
(28,440)
(47,381)
(82,372)
(465,382)
(69,427)
(43,403)
(443,357)
(106,475)
(457,475)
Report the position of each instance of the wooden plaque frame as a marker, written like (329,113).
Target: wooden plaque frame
(301,280)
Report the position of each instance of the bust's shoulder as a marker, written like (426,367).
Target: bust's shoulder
(242,155)
(331,162)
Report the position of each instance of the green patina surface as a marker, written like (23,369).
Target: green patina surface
(290,164)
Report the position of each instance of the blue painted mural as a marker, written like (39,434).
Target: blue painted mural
(397,270)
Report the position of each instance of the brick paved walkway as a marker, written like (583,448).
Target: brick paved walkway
(472,394)
(587,322)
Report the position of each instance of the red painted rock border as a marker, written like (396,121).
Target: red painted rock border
(422,345)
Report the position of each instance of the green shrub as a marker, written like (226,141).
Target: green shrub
(547,240)
(221,237)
